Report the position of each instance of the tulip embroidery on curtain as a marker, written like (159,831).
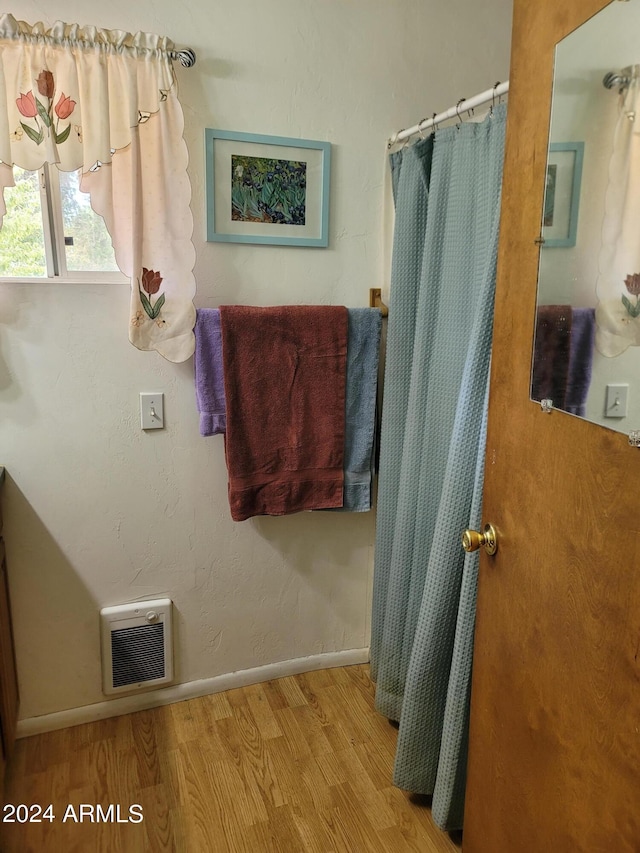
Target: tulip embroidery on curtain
(632,283)
(31,107)
(105,102)
(151,282)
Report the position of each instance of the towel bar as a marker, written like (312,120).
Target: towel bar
(375,301)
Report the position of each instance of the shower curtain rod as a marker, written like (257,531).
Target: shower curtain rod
(463,105)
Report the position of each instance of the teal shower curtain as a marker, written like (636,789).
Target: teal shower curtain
(447,197)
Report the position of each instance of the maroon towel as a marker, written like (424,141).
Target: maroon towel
(284,379)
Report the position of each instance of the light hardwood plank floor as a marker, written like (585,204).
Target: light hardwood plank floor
(297,765)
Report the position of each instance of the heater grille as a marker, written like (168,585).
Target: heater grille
(137,654)
(136,646)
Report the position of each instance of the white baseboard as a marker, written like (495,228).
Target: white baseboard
(190,690)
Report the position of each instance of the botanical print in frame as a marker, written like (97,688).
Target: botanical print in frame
(267,189)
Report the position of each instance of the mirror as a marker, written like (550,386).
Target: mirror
(587,345)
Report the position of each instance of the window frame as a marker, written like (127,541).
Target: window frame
(54,245)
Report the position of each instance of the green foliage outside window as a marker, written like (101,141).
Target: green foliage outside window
(21,237)
(91,249)
(22,248)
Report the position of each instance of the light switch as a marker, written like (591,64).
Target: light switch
(616,401)
(152,411)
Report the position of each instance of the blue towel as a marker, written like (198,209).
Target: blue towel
(363,349)
(209,372)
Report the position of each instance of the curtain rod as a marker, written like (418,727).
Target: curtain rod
(73,34)
(464,104)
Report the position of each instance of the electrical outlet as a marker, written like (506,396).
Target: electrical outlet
(152,411)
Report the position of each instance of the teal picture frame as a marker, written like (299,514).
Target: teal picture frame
(269,190)
(562,194)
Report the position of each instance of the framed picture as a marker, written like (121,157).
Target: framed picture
(267,189)
(562,194)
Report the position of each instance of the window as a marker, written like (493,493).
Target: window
(51,232)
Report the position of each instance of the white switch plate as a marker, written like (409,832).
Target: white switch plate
(152,411)
(616,400)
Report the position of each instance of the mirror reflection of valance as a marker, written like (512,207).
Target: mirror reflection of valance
(618,284)
(105,102)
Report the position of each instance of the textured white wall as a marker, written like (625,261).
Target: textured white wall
(98,512)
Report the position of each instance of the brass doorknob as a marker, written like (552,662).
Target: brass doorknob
(472,540)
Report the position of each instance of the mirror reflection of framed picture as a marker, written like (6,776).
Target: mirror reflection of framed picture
(562,194)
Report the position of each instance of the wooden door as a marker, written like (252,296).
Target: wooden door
(554,761)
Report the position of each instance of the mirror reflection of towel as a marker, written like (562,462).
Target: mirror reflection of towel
(563,356)
(583,329)
(551,354)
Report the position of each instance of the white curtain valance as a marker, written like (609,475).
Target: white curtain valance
(95,84)
(62,34)
(618,282)
(105,102)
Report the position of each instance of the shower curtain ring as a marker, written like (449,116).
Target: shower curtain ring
(462,100)
(493,97)
(433,119)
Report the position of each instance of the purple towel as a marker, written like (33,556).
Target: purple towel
(209,372)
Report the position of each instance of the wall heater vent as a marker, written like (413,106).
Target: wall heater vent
(137,647)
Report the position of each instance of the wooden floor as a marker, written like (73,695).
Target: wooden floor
(294,765)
